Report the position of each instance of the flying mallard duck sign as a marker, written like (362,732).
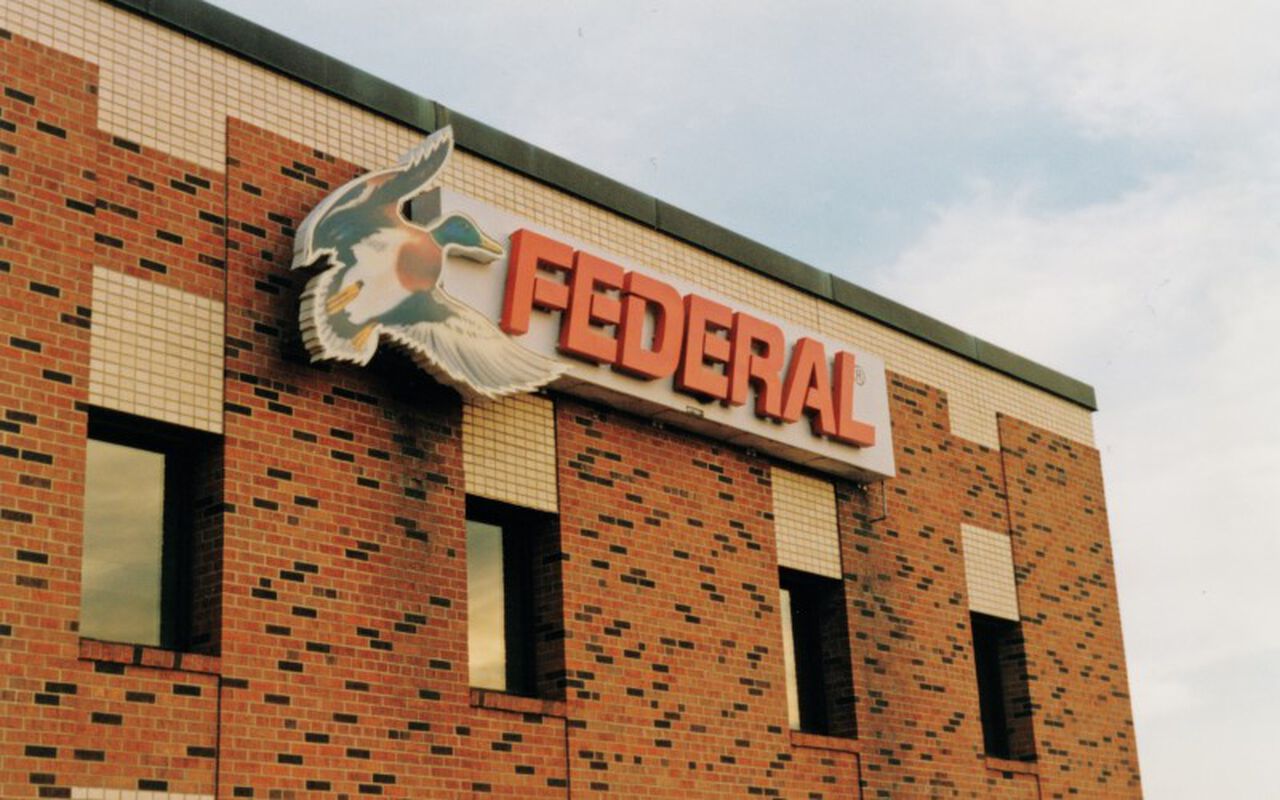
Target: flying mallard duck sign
(385,280)
(493,304)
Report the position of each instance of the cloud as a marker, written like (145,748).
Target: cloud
(1152,71)
(1060,285)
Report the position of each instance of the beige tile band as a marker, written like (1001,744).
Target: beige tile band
(156,351)
(804,519)
(509,450)
(988,572)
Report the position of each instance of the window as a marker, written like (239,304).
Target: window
(141,580)
(514,624)
(819,671)
(1005,704)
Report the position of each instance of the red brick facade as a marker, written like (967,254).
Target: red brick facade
(336,658)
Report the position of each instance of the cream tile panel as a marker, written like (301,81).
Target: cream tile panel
(804,520)
(975,394)
(988,571)
(509,450)
(173,93)
(156,351)
(97,793)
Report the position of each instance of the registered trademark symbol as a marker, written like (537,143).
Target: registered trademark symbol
(859,377)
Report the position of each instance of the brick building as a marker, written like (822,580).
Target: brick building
(341,580)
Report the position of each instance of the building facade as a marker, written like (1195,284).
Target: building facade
(359,580)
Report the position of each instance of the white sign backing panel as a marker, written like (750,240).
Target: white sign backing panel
(482,285)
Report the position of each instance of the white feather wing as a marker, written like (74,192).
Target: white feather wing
(321,341)
(470,353)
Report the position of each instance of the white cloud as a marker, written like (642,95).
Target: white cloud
(1153,71)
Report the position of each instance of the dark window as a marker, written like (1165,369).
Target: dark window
(149,565)
(514,623)
(818,667)
(1004,701)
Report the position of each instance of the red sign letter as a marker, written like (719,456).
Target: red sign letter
(525,288)
(640,293)
(577,336)
(848,429)
(761,366)
(701,346)
(808,387)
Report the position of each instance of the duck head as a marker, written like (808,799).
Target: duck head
(458,233)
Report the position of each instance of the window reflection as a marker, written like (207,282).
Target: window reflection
(123,544)
(789,662)
(486,619)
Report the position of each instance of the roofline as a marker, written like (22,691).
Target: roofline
(263,46)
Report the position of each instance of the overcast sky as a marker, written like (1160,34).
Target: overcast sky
(1094,186)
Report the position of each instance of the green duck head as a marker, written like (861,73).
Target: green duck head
(460,234)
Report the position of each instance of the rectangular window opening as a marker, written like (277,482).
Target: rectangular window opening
(515,628)
(816,655)
(150,569)
(1003,697)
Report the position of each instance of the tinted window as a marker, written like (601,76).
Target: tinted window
(515,619)
(486,598)
(121,571)
(789,662)
(816,656)
(1004,699)
(151,561)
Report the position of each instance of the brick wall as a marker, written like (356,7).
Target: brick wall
(1083,722)
(918,714)
(340,663)
(674,649)
(71,714)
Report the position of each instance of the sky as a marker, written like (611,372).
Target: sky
(1095,186)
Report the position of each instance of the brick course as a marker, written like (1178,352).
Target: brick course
(339,665)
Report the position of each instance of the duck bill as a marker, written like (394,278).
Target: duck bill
(491,245)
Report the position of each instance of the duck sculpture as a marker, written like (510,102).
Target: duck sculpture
(385,280)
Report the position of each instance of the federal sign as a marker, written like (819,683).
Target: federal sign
(493,304)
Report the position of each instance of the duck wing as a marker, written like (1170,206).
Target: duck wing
(336,223)
(462,348)
(417,171)
(329,336)
(368,202)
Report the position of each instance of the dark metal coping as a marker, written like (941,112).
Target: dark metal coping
(262,46)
